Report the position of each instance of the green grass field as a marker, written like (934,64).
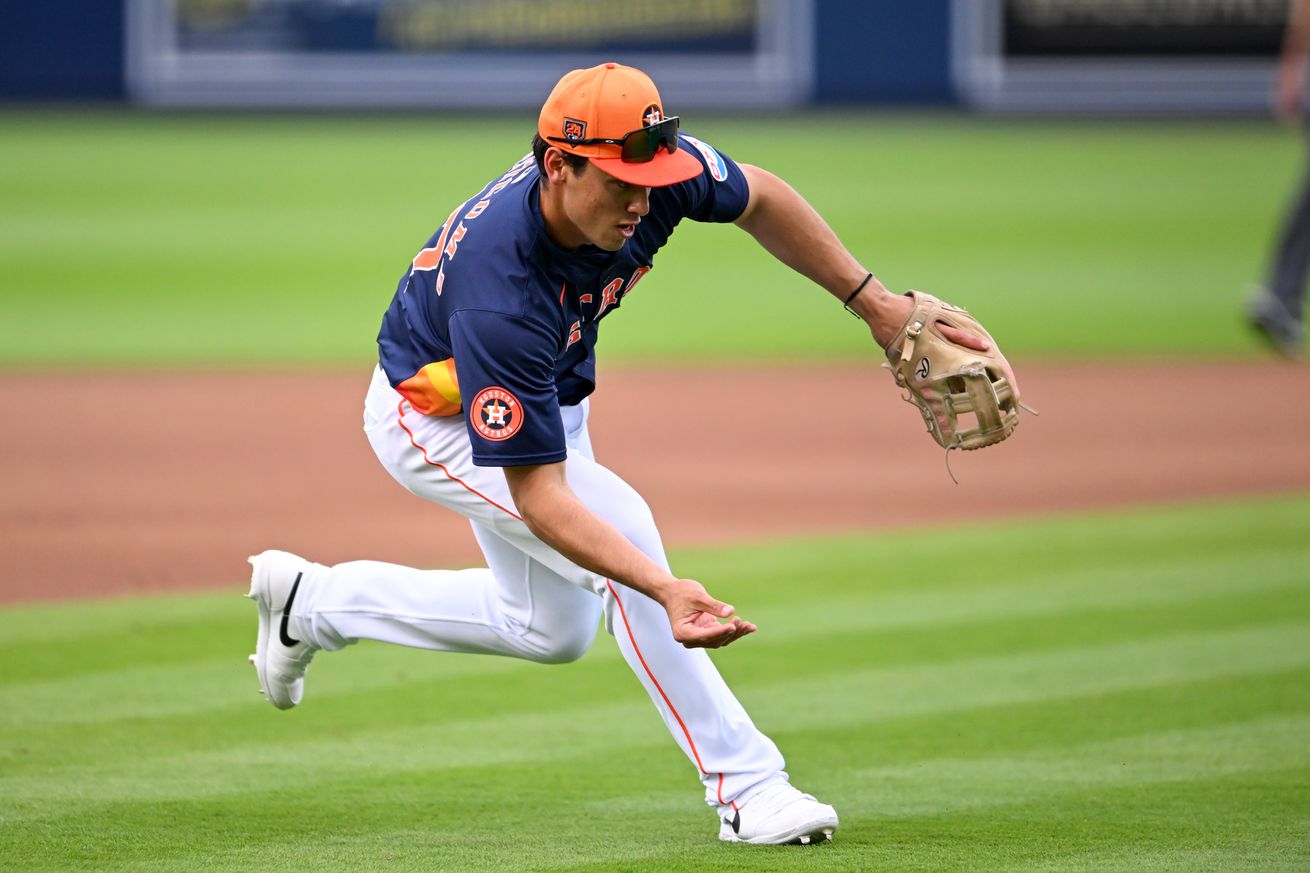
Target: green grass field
(1103,692)
(129,239)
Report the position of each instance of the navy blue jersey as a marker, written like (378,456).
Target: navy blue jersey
(495,321)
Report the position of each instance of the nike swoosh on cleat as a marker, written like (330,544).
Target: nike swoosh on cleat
(735,824)
(286,615)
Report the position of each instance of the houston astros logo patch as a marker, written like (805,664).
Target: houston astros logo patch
(496,414)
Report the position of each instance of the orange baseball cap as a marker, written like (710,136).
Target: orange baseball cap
(613,115)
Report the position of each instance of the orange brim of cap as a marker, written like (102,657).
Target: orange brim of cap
(663,169)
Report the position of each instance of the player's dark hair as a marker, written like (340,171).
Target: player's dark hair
(577,162)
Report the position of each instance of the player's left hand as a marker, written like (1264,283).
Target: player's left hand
(953,372)
(701,622)
(892,311)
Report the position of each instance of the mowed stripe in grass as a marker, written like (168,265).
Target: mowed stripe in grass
(1124,691)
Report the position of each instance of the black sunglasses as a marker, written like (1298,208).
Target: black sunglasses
(641,145)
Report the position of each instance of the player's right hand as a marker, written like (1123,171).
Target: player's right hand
(701,622)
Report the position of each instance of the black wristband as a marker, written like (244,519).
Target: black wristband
(855,293)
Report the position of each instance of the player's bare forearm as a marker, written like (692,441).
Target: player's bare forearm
(555,515)
(786,225)
(558,518)
(790,229)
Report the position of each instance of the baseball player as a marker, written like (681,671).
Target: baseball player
(1277,310)
(479,403)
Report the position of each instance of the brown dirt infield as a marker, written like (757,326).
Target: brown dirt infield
(130,483)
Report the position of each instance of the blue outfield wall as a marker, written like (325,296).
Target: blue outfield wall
(881,51)
(61,50)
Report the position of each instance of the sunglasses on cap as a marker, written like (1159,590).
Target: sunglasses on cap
(641,145)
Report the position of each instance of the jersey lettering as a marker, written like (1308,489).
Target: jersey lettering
(454,241)
(610,296)
(428,259)
(636,277)
(425,261)
(432,257)
(575,333)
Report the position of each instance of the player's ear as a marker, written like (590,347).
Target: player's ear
(555,165)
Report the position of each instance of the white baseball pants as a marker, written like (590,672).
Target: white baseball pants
(530,602)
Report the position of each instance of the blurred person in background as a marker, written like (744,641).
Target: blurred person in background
(1277,310)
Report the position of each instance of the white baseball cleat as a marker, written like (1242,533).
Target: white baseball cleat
(778,814)
(280,660)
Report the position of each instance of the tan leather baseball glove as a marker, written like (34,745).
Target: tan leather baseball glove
(968,398)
